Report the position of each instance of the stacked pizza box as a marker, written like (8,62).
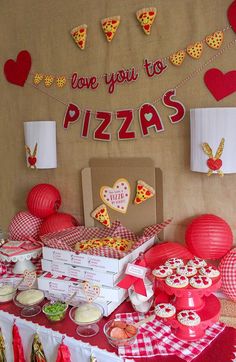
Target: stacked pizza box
(65,272)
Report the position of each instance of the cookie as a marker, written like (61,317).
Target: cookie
(162,271)
(177,281)
(200,282)
(186,270)
(177,58)
(195,50)
(188,318)
(209,271)
(215,40)
(174,263)
(197,262)
(165,310)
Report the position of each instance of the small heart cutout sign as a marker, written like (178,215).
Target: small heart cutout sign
(17,71)
(219,84)
(29,278)
(91,291)
(116,197)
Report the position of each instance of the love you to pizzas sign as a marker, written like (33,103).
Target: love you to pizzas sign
(149,119)
(116,197)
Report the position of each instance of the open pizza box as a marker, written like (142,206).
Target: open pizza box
(105,172)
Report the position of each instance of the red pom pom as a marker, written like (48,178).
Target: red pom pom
(227,268)
(24,225)
(163,251)
(209,237)
(43,200)
(57,222)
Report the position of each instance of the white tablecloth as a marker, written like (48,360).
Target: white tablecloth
(80,351)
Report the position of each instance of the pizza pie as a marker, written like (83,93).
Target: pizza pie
(101,214)
(117,242)
(143,192)
(146,18)
(79,34)
(110,26)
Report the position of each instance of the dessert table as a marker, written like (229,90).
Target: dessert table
(220,350)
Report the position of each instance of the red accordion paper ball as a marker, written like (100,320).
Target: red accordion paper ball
(227,268)
(209,237)
(24,225)
(163,251)
(43,200)
(57,222)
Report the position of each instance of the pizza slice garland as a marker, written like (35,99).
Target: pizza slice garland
(101,214)
(79,34)
(110,26)
(143,192)
(146,18)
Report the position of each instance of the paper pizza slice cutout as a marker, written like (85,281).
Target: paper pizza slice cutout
(79,34)
(146,18)
(101,214)
(143,192)
(110,26)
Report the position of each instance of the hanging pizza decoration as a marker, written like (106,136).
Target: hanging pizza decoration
(110,26)
(146,17)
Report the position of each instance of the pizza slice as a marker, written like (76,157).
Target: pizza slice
(109,26)
(79,34)
(101,214)
(146,18)
(120,243)
(143,192)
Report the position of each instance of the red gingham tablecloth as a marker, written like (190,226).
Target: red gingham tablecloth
(155,338)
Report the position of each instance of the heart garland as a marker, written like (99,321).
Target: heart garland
(231,13)
(219,84)
(17,71)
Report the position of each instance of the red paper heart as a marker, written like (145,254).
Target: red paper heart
(32,160)
(214,164)
(231,13)
(16,72)
(219,84)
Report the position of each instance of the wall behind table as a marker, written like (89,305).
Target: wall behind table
(42,27)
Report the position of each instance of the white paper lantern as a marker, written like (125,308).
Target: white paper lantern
(210,125)
(40,144)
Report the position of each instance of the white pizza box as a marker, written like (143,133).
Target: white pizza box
(95,262)
(105,278)
(108,306)
(68,286)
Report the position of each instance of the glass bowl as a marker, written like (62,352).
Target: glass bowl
(29,309)
(5,294)
(115,342)
(88,328)
(55,311)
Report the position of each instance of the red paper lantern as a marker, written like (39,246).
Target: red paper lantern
(163,251)
(57,222)
(209,237)
(43,200)
(227,268)
(24,225)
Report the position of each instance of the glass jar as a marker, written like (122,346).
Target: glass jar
(139,302)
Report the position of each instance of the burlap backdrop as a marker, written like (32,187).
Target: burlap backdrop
(42,27)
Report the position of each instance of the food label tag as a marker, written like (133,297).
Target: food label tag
(136,271)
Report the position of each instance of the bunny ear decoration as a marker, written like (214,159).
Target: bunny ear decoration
(35,149)
(220,149)
(207,149)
